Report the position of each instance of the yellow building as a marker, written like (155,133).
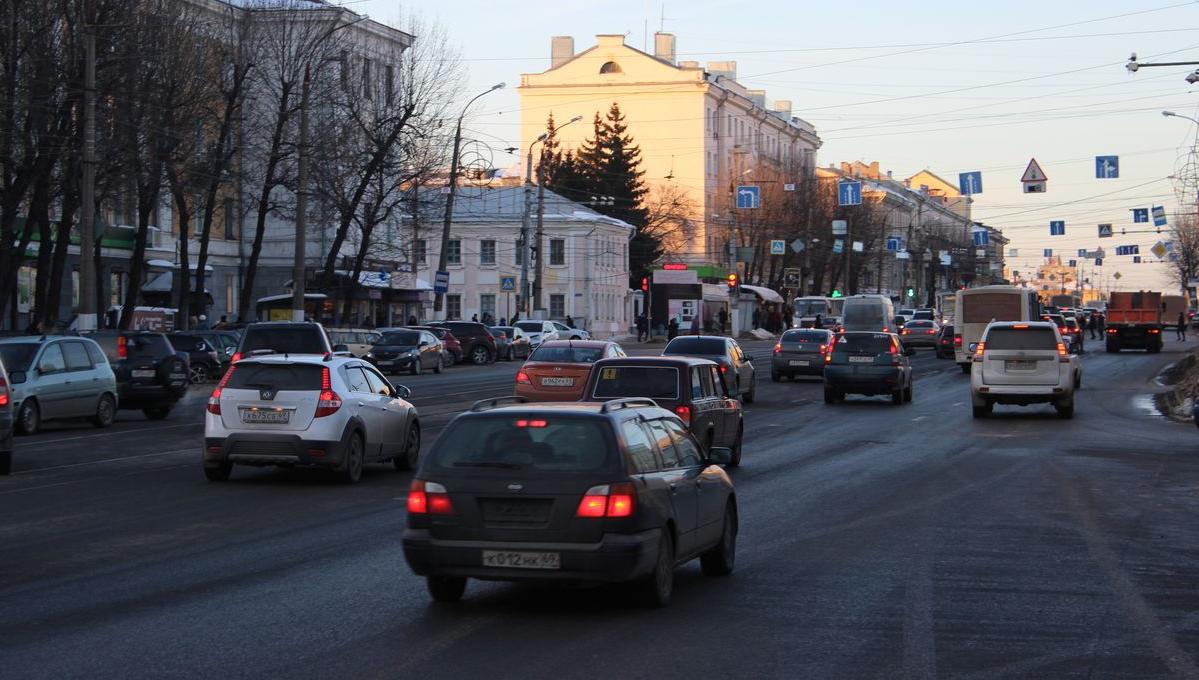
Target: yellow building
(700,132)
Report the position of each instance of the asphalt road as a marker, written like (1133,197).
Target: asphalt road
(876,541)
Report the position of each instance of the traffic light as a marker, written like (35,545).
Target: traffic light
(836,293)
(732,282)
(911,292)
(644,284)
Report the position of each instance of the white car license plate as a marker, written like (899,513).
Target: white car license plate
(143,373)
(861,360)
(521,560)
(558,382)
(1020,365)
(265,415)
(798,362)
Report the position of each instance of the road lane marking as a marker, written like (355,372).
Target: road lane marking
(111,433)
(918,419)
(195,449)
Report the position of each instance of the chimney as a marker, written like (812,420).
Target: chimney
(688,64)
(783,108)
(664,46)
(874,170)
(728,69)
(562,50)
(758,97)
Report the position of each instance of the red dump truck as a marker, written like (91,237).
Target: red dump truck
(1134,321)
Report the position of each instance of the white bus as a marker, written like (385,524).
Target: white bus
(977,307)
(806,309)
(875,313)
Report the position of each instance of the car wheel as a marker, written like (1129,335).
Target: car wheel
(775,377)
(106,411)
(198,373)
(351,467)
(982,411)
(447,589)
(156,412)
(907,393)
(657,589)
(735,461)
(479,356)
(416,367)
(830,396)
(440,364)
(1065,409)
(897,397)
(5,462)
(29,417)
(409,458)
(719,561)
(218,473)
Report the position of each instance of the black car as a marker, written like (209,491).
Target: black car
(868,363)
(151,376)
(736,366)
(406,349)
(6,422)
(569,493)
(203,361)
(690,388)
(946,343)
(800,351)
(285,337)
(478,345)
(510,343)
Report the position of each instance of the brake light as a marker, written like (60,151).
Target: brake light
(1154,331)
(530,423)
(931,332)
(214,399)
(329,401)
(608,500)
(3,393)
(1062,355)
(122,351)
(428,498)
(778,348)
(724,369)
(684,413)
(235,358)
(978,350)
(1112,331)
(957,341)
(828,358)
(825,348)
(522,378)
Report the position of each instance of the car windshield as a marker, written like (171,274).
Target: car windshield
(1033,337)
(253,375)
(569,355)
(18,356)
(655,382)
(804,336)
(870,315)
(549,443)
(399,338)
(692,346)
(811,307)
(529,326)
(869,343)
(285,340)
(923,314)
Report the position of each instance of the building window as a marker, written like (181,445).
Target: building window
(557,251)
(453,306)
(453,252)
(230,220)
(557,306)
(116,289)
(487,252)
(366,79)
(389,86)
(520,254)
(487,307)
(419,252)
(610,67)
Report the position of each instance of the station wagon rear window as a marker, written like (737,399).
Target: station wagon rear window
(864,342)
(289,377)
(805,336)
(525,442)
(1021,338)
(655,382)
(695,346)
(569,355)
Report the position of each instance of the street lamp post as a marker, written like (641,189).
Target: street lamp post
(540,216)
(442,261)
(525,250)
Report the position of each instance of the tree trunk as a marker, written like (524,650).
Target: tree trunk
(269,182)
(62,239)
(181,282)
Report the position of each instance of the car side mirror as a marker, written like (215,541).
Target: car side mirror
(341,348)
(719,455)
(17,377)
(424,343)
(401,391)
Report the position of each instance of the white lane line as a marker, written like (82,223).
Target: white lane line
(113,432)
(959,403)
(918,419)
(195,449)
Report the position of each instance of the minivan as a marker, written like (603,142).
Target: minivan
(870,313)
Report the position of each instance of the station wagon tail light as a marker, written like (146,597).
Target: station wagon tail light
(608,500)
(214,399)
(235,358)
(1062,355)
(684,413)
(957,341)
(122,350)
(428,498)
(522,378)
(1112,331)
(531,423)
(931,332)
(329,401)
(4,398)
(978,350)
(778,348)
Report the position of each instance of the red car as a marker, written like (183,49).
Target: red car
(453,348)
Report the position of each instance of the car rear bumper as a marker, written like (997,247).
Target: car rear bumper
(863,379)
(781,364)
(136,396)
(534,394)
(616,558)
(272,449)
(1020,394)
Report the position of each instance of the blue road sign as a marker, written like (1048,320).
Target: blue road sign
(970,182)
(838,246)
(1105,231)
(1136,259)
(1159,216)
(1099,262)
(1128,250)
(1057,228)
(1073,263)
(749,196)
(1140,214)
(893,243)
(441,282)
(981,237)
(508,283)
(849,193)
(1049,252)
(778,246)
(1107,167)
(1082,252)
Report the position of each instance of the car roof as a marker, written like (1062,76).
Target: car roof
(315,359)
(584,344)
(20,339)
(600,408)
(673,361)
(1013,324)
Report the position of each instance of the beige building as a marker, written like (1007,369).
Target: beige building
(700,131)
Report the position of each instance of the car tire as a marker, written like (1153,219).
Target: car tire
(982,411)
(411,456)
(658,588)
(720,560)
(479,356)
(446,589)
(735,461)
(1065,410)
(775,377)
(5,463)
(197,374)
(897,397)
(156,412)
(965,368)
(218,473)
(416,367)
(830,395)
(106,411)
(351,468)
(440,365)
(907,393)
(29,417)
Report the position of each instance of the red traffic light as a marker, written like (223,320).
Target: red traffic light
(733,280)
(645,284)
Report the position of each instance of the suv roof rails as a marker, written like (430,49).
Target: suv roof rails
(484,404)
(627,402)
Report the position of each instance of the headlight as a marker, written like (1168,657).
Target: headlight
(413,353)
(973,346)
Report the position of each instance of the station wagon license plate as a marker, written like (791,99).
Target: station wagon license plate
(1020,365)
(558,382)
(798,362)
(861,360)
(521,560)
(265,415)
(143,373)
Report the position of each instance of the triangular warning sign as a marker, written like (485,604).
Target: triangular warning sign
(1033,173)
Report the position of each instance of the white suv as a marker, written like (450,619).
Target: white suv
(1023,363)
(540,331)
(335,412)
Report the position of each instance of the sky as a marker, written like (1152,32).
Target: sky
(947,86)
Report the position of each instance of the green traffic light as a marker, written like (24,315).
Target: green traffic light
(836,294)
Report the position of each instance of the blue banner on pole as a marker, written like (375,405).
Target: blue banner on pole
(1057,228)
(1159,216)
(1049,252)
(1140,215)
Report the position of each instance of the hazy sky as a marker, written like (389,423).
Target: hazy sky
(948,86)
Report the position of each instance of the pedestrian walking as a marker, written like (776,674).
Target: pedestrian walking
(775,323)
(1182,326)
(1093,325)
(642,328)
(695,324)
(474,318)
(757,318)
(723,316)
(411,319)
(570,322)
(222,324)
(818,322)
(503,321)
(672,328)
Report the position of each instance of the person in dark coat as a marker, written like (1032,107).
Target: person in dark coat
(570,322)
(723,316)
(1182,326)
(642,328)
(672,328)
(412,320)
(1092,325)
(757,318)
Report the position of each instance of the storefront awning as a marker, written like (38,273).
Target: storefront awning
(764,294)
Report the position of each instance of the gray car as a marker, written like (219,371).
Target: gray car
(736,366)
(800,351)
(59,378)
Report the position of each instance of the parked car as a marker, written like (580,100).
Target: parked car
(511,342)
(477,344)
(408,349)
(691,388)
(285,337)
(735,365)
(358,341)
(946,341)
(58,378)
(539,331)
(799,352)
(1023,363)
(7,421)
(558,369)
(583,493)
(920,333)
(451,348)
(151,376)
(337,413)
(225,342)
(868,363)
(566,332)
(203,361)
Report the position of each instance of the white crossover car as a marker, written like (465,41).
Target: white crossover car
(1023,362)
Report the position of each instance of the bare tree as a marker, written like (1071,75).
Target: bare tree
(1185,266)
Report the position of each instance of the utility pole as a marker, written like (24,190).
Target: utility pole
(525,229)
(537,304)
(87,190)
(848,249)
(299,274)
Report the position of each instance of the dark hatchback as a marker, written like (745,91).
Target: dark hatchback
(800,352)
(151,375)
(690,388)
(868,363)
(735,365)
(478,345)
(946,342)
(570,493)
(203,360)
(406,349)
